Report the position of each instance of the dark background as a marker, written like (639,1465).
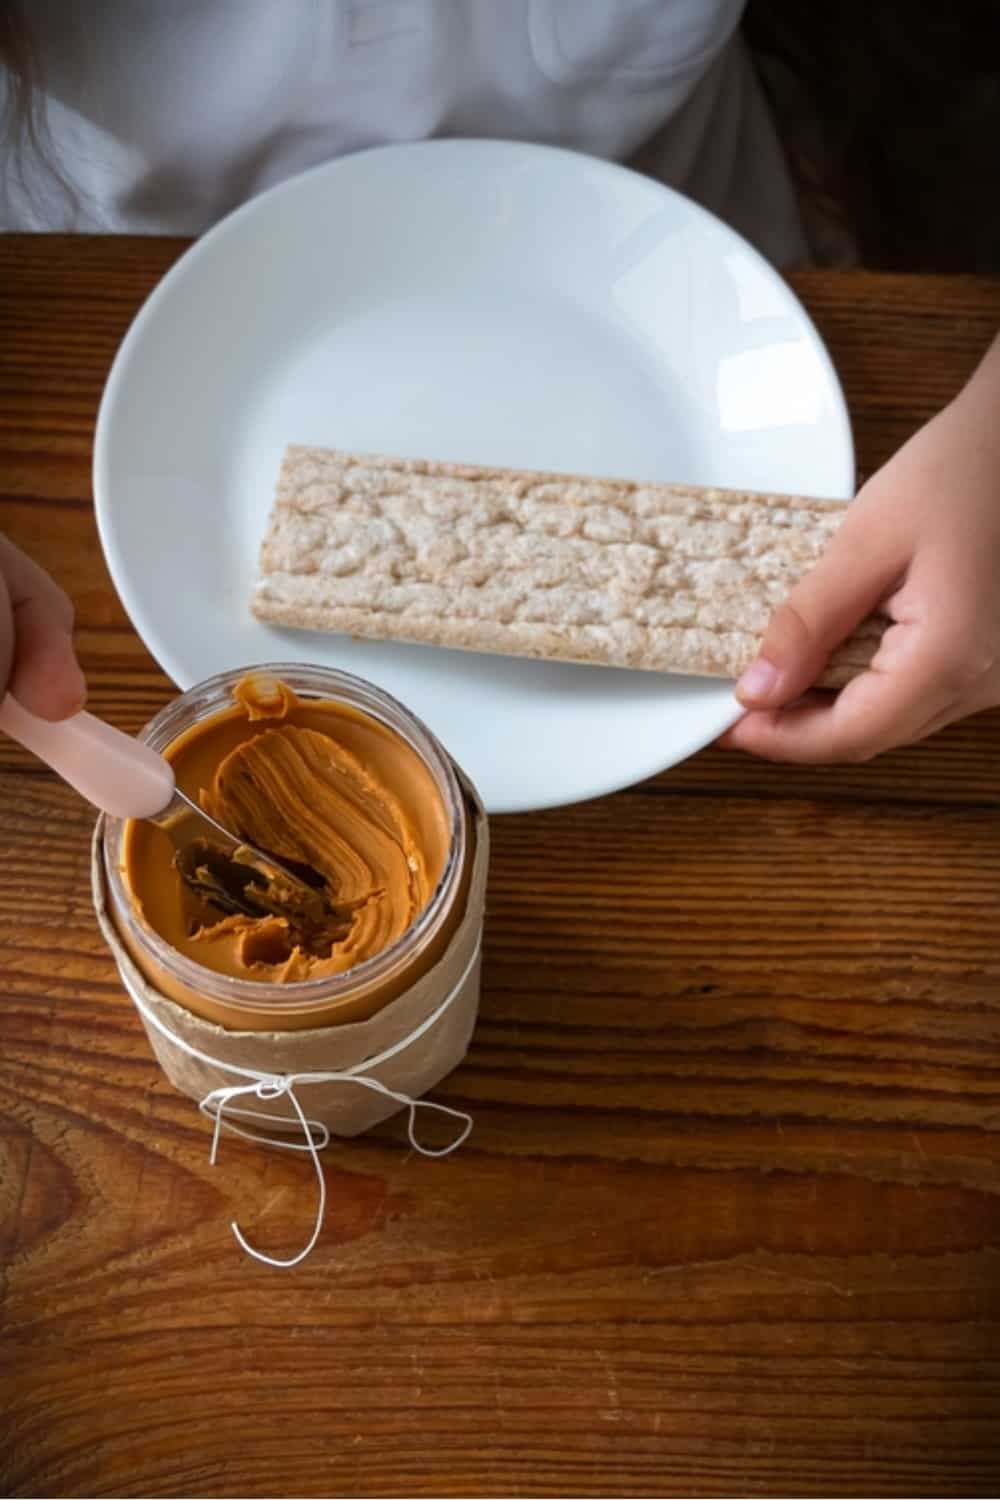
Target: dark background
(890,114)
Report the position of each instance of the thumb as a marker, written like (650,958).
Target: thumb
(846,585)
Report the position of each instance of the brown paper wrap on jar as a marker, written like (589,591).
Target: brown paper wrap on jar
(346,1108)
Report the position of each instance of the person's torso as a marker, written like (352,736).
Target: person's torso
(165,115)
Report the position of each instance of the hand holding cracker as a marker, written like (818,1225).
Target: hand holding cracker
(922,543)
(608,572)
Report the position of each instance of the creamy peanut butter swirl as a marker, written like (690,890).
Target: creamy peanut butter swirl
(298,794)
(328,791)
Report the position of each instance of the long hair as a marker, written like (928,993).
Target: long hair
(25,158)
(19,121)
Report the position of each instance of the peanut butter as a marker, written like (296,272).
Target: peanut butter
(339,798)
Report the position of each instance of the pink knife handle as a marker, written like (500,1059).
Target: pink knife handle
(117,773)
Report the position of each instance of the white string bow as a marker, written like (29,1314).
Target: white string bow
(218,1105)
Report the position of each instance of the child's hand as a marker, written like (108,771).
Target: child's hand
(921,542)
(37,662)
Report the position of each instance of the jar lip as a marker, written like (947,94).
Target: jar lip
(308,681)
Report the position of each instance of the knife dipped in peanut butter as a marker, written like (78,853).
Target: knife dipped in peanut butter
(125,778)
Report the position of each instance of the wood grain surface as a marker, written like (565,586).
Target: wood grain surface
(729,1221)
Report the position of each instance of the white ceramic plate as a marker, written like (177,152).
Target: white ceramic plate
(479,301)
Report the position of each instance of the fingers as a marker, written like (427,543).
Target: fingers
(844,587)
(42,673)
(909,692)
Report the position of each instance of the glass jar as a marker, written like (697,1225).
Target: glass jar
(358,993)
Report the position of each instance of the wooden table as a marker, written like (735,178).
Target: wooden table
(729,1221)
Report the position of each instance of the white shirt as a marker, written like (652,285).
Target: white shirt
(163,115)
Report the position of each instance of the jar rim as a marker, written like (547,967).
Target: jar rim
(308,682)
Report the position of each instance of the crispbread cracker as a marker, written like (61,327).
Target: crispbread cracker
(667,578)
